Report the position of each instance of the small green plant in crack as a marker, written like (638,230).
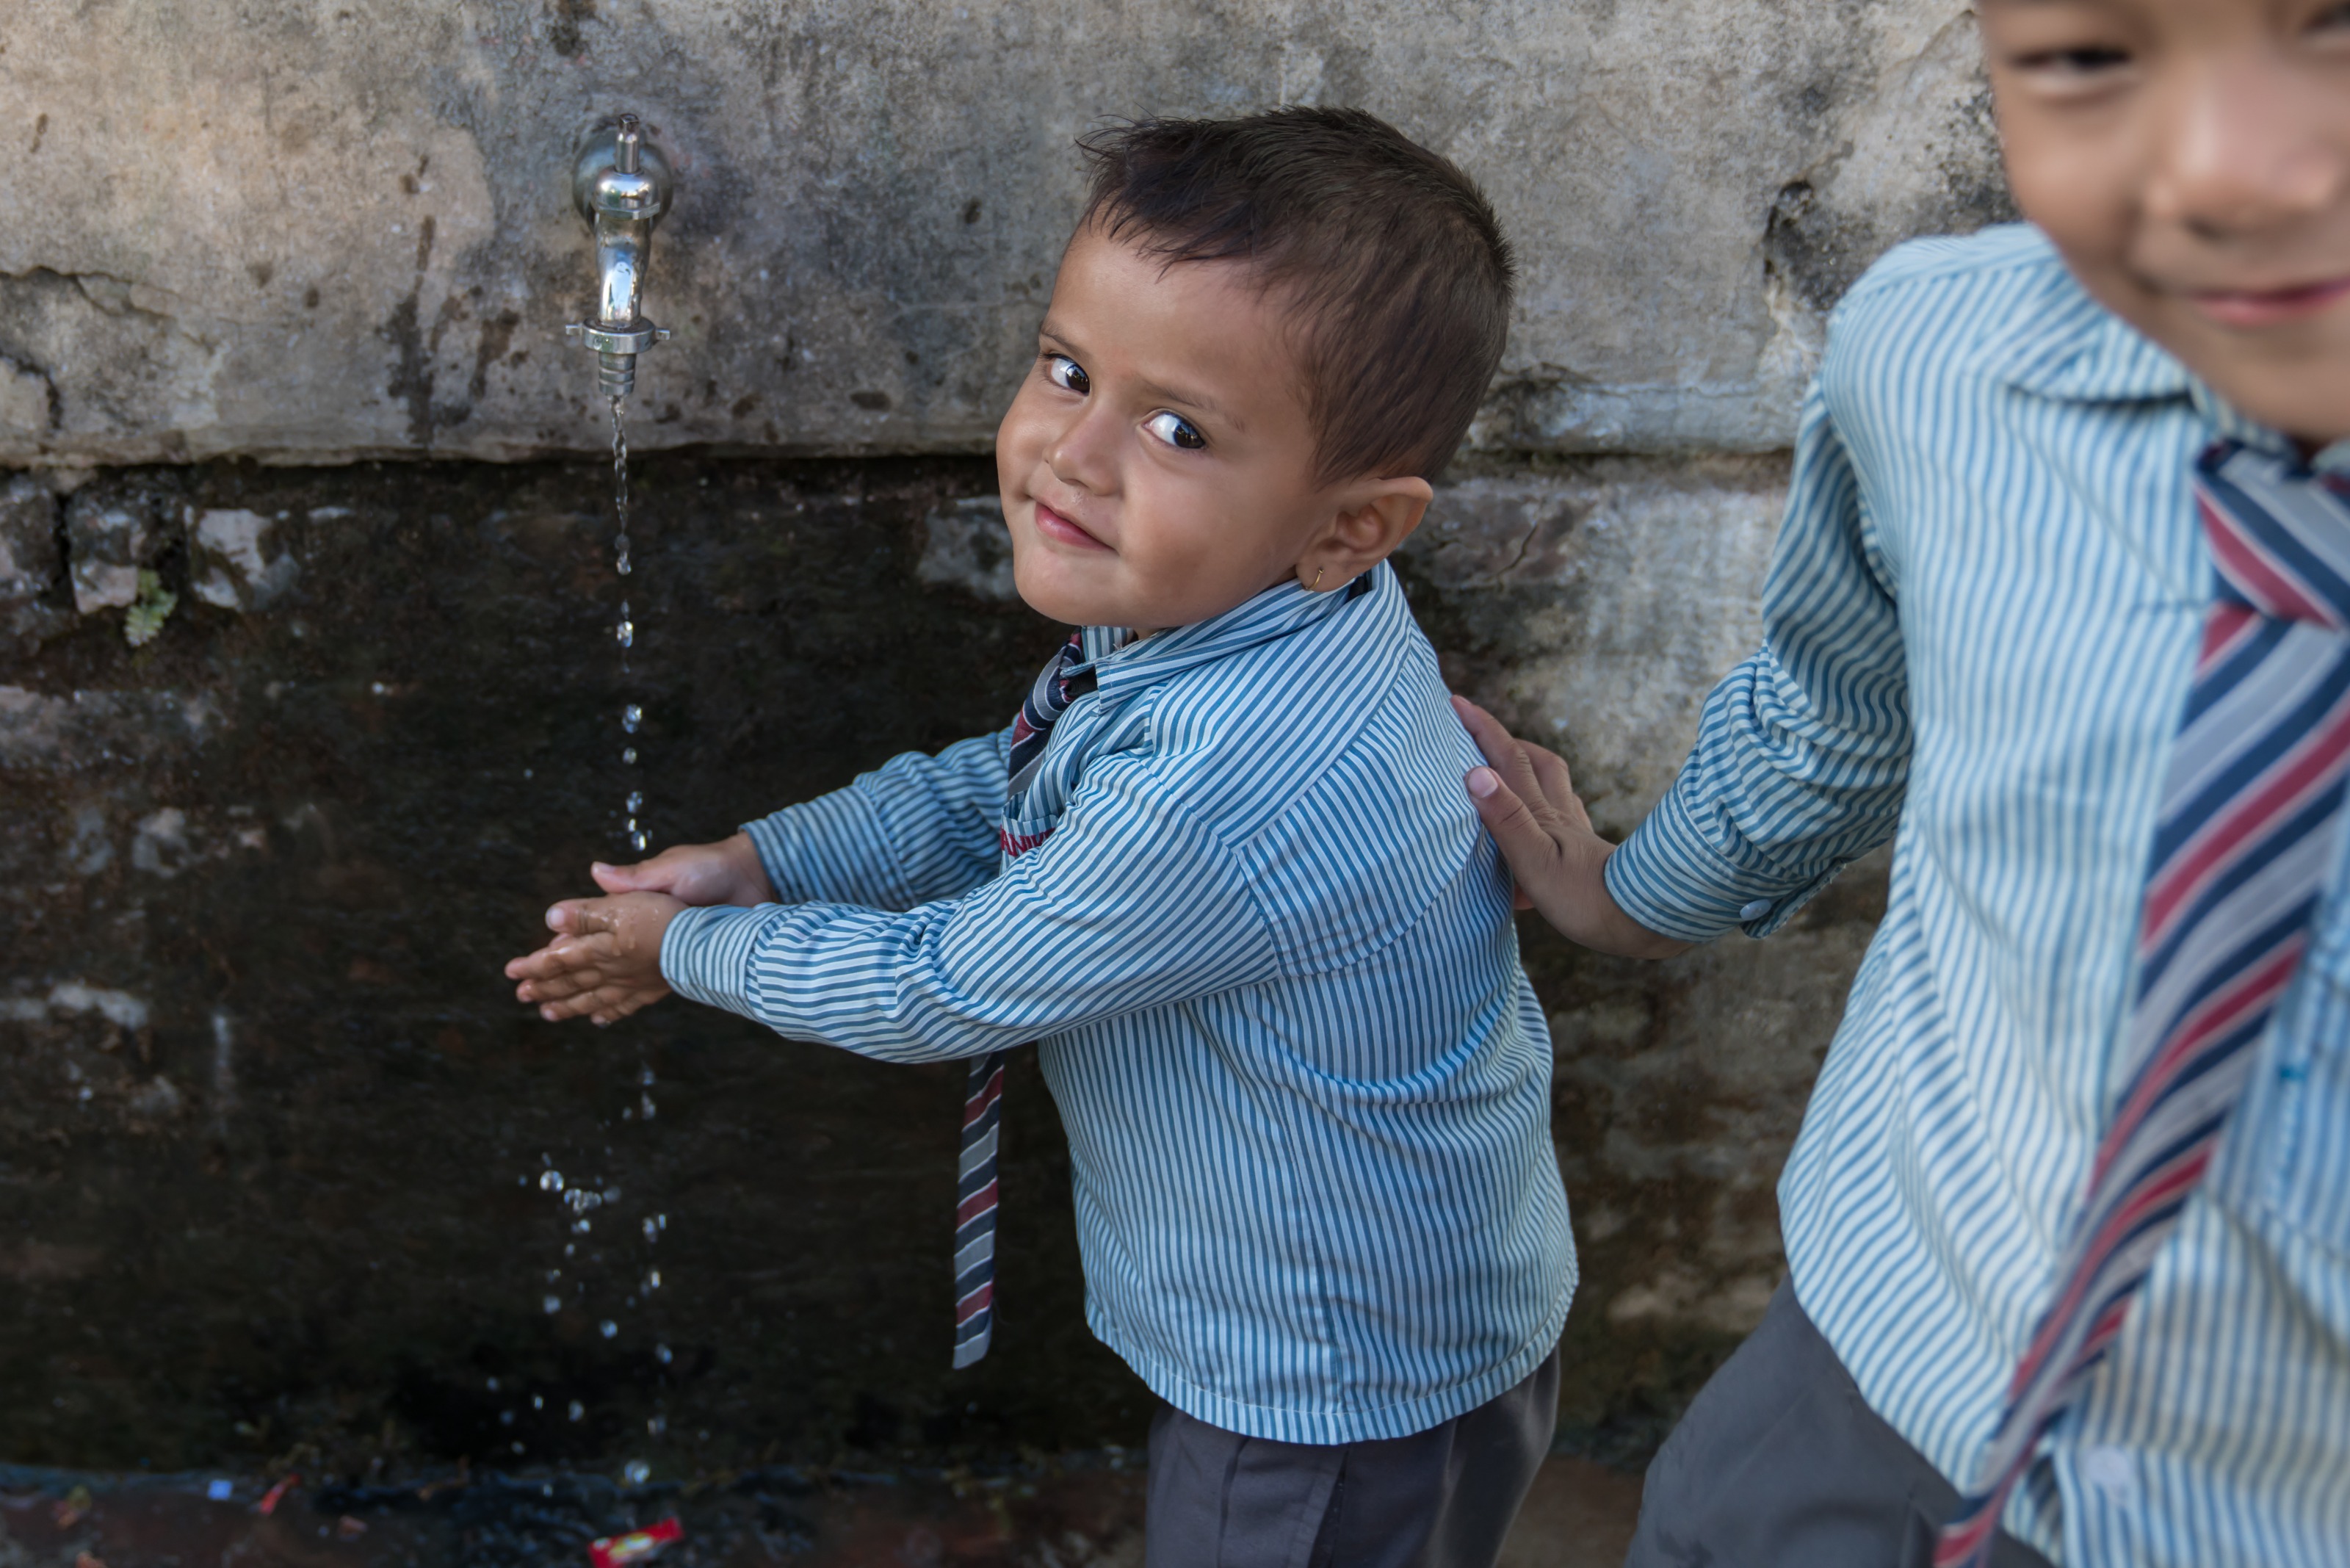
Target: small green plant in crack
(149,611)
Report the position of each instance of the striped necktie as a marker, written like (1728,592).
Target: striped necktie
(982,1100)
(2247,838)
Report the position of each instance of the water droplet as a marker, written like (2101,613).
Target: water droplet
(657,1425)
(551,1182)
(505,1417)
(553,1276)
(625,633)
(629,756)
(636,800)
(538,1401)
(553,1304)
(645,1106)
(579,1411)
(652,1279)
(493,1385)
(661,1221)
(580,1227)
(636,1472)
(569,1249)
(661,1353)
(645,1077)
(607,1328)
(516,1447)
(637,841)
(653,1231)
(631,717)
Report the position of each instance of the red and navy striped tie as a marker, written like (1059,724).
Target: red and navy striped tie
(2247,839)
(983,1101)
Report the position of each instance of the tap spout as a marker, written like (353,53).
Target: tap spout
(621,185)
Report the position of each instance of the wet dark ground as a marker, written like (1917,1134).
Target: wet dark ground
(275,1141)
(1087,1510)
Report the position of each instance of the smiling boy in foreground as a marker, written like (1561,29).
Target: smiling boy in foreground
(1219,868)
(2064,591)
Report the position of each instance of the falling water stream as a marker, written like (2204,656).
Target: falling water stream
(631,719)
(583,1200)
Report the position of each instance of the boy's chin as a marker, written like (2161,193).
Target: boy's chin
(2309,403)
(1049,595)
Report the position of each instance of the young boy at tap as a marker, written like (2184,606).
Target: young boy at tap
(1219,868)
(2063,597)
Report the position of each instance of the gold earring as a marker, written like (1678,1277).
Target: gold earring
(1316,585)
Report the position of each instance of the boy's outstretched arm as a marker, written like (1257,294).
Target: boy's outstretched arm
(1530,806)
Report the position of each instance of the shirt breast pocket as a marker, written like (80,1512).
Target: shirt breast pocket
(2293,1144)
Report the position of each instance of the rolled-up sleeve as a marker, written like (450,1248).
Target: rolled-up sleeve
(1802,750)
(1131,903)
(919,827)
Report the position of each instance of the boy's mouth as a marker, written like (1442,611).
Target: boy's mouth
(2251,307)
(1054,525)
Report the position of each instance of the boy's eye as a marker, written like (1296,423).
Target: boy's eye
(1067,374)
(1175,431)
(2086,60)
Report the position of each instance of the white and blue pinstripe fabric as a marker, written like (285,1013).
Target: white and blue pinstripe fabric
(1268,952)
(1980,627)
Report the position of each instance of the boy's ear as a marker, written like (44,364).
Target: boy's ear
(1374,518)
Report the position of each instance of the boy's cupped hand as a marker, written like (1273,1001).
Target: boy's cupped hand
(727,872)
(605,960)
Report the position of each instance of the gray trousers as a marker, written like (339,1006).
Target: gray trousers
(1440,1499)
(1780,1463)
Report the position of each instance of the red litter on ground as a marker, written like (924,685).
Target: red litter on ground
(617,1551)
(275,1495)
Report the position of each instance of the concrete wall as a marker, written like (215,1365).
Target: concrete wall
(300,231)
(263,856)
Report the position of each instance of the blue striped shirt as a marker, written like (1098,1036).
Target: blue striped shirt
(1979,628)
(1267,954)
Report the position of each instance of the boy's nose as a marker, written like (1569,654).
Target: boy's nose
(2245,150)
(1081,453)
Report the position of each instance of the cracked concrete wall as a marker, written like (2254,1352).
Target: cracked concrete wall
(301,230)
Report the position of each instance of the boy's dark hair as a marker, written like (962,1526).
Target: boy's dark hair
(1398,270)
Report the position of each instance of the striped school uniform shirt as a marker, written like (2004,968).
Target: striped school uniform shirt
(1980,625)
(1266,950)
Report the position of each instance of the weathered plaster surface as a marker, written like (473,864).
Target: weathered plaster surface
(299,230)
(255,1059)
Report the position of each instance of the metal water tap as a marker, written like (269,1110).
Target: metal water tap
(620,183)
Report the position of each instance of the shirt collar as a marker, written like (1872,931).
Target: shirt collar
(1278,611)
(2073,350)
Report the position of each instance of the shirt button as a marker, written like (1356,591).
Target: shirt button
(2111,1472)
(1755,910)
